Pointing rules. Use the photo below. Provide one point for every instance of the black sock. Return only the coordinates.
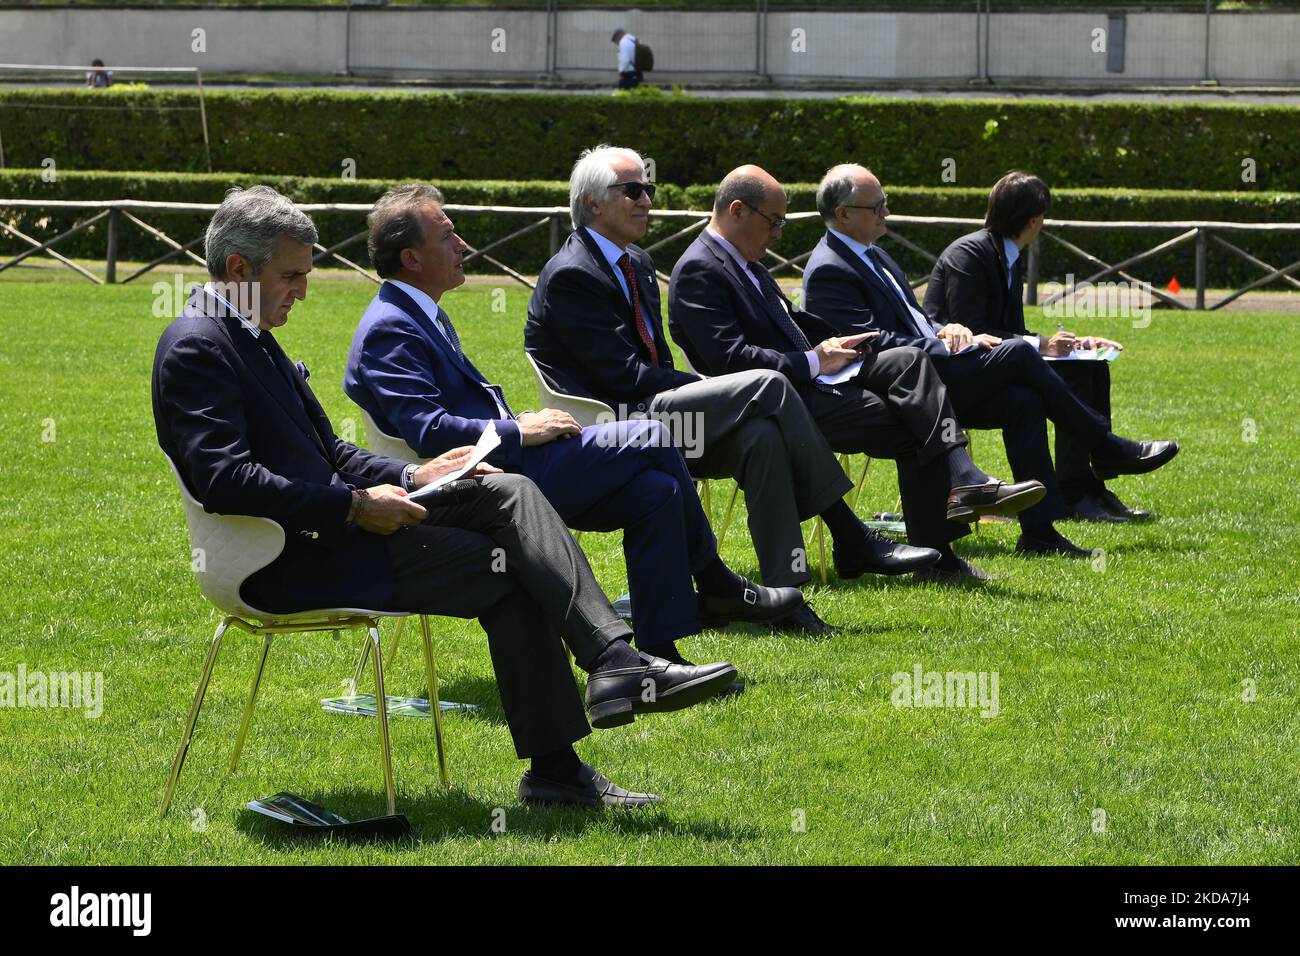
(963, 471)
(617, 653)
(559, 765)
(716, 578)
(667, 651)
(842, 523)
(948, 560)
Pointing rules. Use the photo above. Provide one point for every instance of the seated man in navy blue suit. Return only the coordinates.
(994, 382)
(408, 370)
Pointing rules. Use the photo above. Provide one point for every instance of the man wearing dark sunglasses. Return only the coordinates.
(728, 314)
(595, 330)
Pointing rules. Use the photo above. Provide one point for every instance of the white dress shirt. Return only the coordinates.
(211, 290)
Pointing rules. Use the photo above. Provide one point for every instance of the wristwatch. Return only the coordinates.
(408, 476)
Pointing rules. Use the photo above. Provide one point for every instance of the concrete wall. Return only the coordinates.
(688, 44)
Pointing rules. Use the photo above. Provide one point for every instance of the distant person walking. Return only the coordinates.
(629, 77)
(98, 77)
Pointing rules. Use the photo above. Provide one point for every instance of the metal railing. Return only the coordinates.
(123, 212)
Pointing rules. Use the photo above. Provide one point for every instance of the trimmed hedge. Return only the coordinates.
(529, 252)
(459, 136)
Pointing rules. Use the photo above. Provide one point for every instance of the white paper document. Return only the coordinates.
(843, 375)
(1086, 355)
(487, 443)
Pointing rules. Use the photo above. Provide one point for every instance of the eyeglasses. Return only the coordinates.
(875, 207)
(777, 223)
(633, 191)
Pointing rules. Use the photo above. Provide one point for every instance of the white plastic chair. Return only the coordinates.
(228, 549)
(585, 411)
(390, 446)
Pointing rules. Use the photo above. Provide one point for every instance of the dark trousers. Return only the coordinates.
(1011, 388)
(1090, 382)
(629, 80)
(897, 407)
(500, 553)
(752, 426)
(628, 475)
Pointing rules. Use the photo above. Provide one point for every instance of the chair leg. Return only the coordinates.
(397, 639)
(252, 702)
(435, 707)
(820, 531)
(193, 717)
(866, 463)
(726, 518)
(381, 706)
(705, 498)
(360, 669)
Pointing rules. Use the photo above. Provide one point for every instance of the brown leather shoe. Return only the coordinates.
(968, 502)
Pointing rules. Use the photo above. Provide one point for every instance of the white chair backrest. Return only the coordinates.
(388, 445)
(226, 550)
(585, 411)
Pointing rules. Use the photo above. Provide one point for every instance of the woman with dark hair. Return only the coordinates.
(978, 282)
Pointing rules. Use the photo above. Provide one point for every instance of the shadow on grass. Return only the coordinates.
(438, 815)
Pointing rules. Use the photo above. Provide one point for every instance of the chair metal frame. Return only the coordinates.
(236, 546)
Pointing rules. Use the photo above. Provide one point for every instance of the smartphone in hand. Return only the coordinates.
(866, 343)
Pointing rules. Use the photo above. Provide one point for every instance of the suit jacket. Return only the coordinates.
(969, 285)
(414, 384)
(841, 288)
(581, 332)
(249, 438)
(722, 322)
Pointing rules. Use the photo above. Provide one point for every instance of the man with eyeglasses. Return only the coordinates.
(994, 382)
(728, 314)
(595, 330)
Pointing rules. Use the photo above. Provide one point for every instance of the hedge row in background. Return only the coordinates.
(455, 136)
(529, 252)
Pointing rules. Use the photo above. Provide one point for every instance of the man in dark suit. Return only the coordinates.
(594, 329)
(248, 437)
(978, 282)
(407, 368)
(994, 383)
(728, 313)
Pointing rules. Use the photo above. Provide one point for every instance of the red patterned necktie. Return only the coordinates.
(625, 263)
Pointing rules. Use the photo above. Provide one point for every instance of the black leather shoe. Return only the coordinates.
(591, 789)
(804, 620)
(616, 694)
(753, 603)
(968, 503)
(1150, 456)
(1055, 543)
(1092, 508)
(877, 553)
(964, 573)
(1116, 507)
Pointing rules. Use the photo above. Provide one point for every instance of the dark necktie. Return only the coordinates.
(776, 308)
(278, 358)
(873, 254)
(629, 273)
(449, 330)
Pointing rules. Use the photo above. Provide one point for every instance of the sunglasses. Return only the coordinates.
(633, 191)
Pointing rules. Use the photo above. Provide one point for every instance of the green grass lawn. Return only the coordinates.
(1121, 685)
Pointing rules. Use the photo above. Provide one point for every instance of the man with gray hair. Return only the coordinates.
(594, 328)
(248, 437)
